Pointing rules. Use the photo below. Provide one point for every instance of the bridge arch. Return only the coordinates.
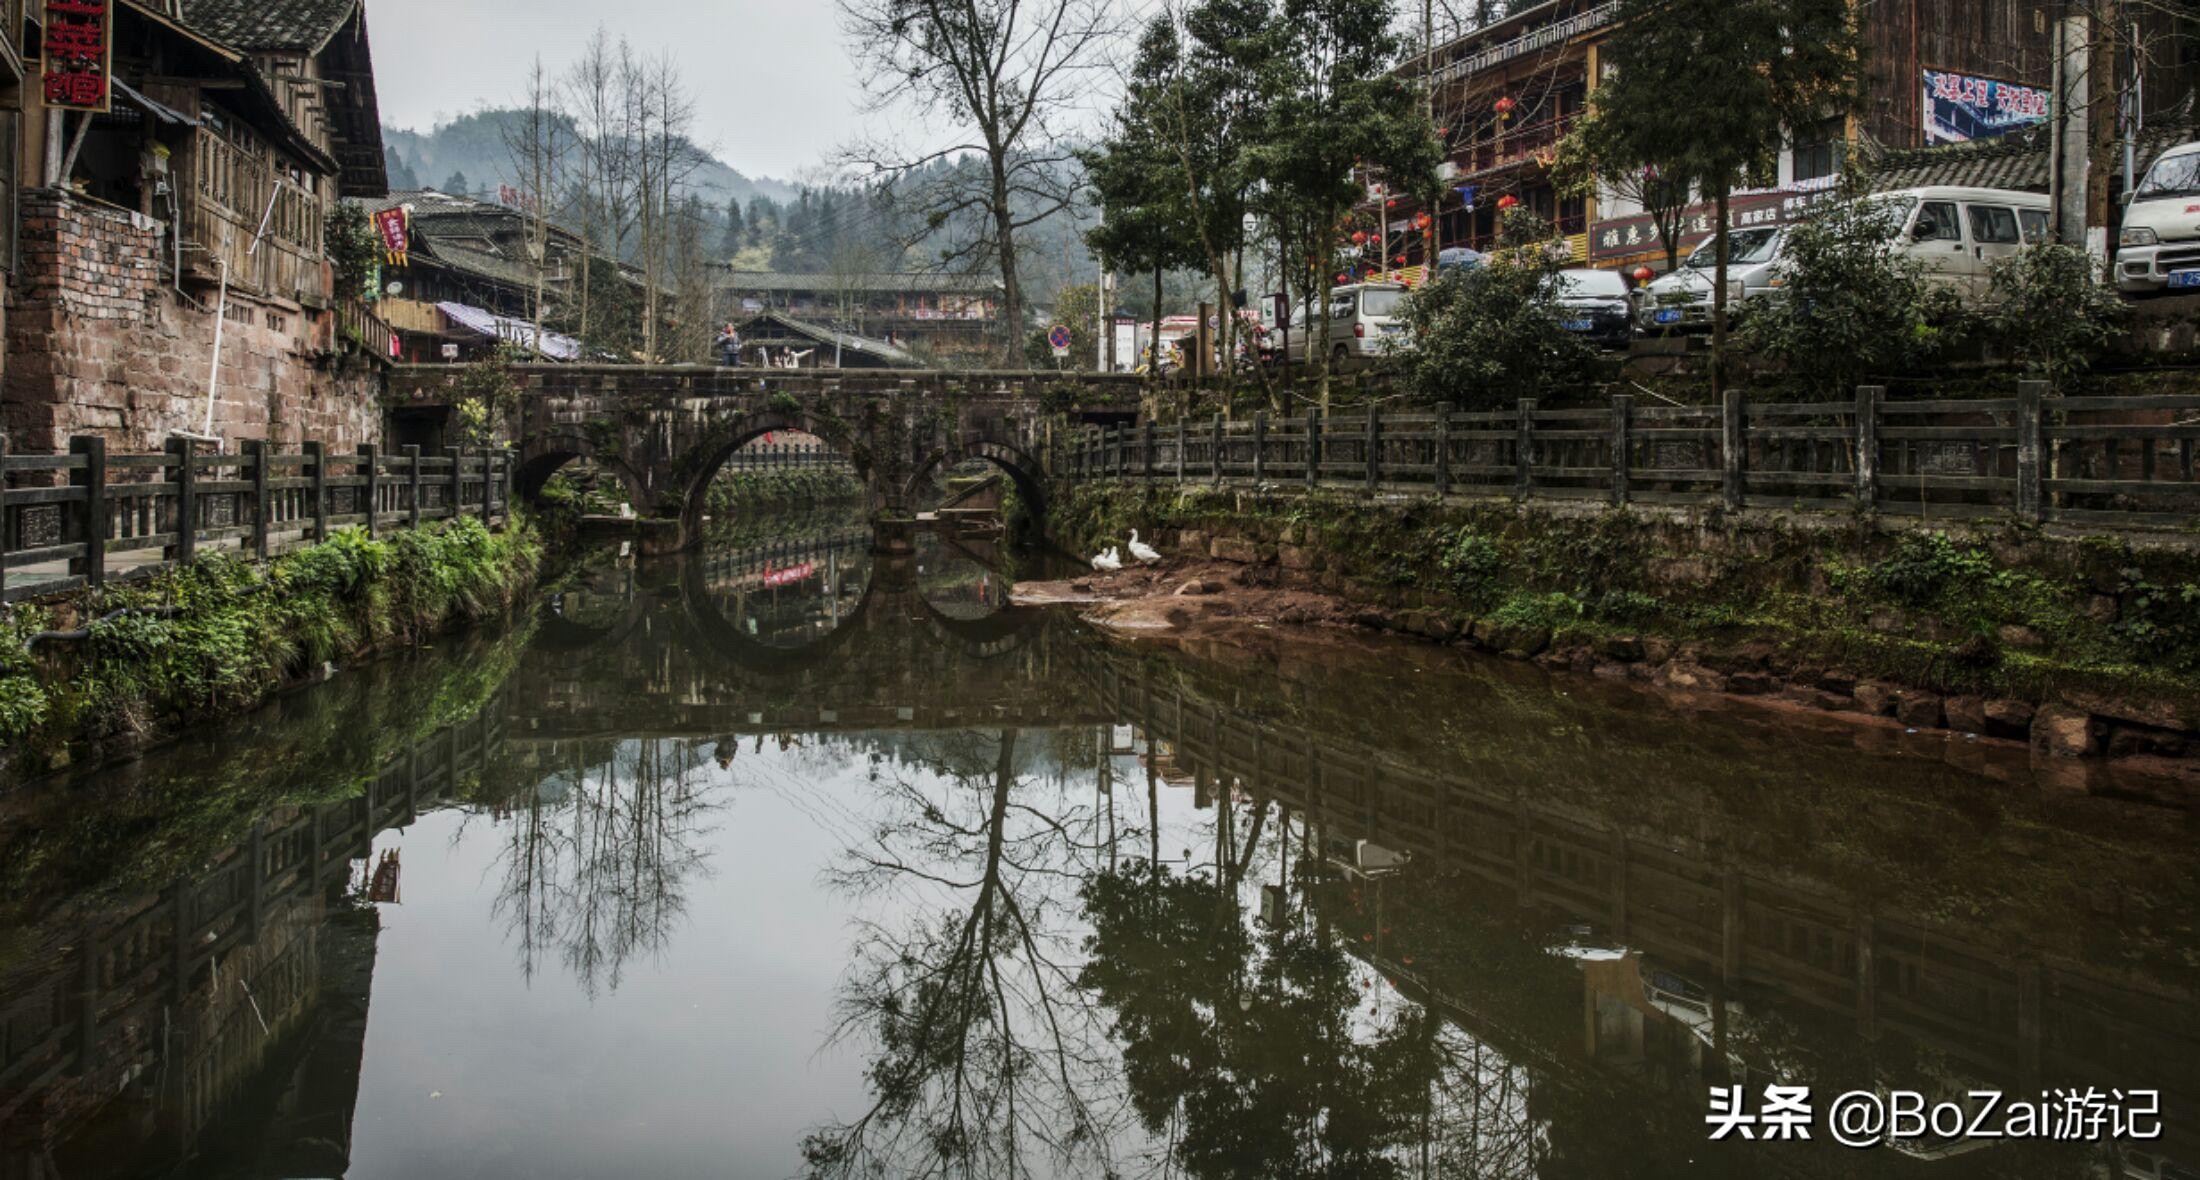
(700, 464)
(1021, 467)
(541, 458)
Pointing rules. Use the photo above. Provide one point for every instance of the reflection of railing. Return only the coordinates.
(127, 516)
(779, 457)
(154, 967)
(2008, 1019)
(2104, 460)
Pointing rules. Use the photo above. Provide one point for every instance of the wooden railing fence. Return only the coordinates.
(88, 517)
(2099, 460)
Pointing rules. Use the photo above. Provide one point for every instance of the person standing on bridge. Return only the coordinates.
(729, 345)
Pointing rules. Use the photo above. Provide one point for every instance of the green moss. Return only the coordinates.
(1998, 611)
(222, 634)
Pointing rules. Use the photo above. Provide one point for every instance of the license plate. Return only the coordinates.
(2184, 278)
(1670, 315)
(1578, 325)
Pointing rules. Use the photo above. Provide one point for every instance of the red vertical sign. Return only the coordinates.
(78, 50)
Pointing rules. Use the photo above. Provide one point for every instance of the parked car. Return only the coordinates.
(1364, 324)
(2159, 248)
(1681, 300)
(1959, 233)
(1598, 305)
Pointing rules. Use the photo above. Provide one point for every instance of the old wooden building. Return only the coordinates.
(202, 196)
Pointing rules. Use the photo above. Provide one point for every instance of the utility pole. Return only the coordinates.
(2068, 184)
(1428, 79)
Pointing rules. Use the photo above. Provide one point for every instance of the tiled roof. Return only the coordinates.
(738, 281)
(256, 25)
(2014, 161)
(752, 333)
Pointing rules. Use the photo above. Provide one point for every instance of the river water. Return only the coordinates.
(787, 860)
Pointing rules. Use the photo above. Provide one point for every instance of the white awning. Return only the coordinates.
(518, 333)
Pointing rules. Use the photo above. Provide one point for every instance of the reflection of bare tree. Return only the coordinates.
(599, 856)
(989, 1058)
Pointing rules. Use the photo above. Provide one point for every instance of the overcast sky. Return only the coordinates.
(776, 92)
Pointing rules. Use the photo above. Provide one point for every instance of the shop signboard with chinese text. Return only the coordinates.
(78, 48)
(1959, 107)
(1626, 237)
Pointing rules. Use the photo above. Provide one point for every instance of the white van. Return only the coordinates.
(1959, 233)
(1364, 323)
(2159, 248)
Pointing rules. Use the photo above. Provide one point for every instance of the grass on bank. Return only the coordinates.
(224, 633)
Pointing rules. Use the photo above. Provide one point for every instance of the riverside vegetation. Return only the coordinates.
(224, 634)
(1991, 630)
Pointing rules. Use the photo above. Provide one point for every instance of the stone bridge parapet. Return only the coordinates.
(665, 430)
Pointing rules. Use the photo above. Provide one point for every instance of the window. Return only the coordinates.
(2034, 224)
(1936, 222)
(2171, 176)
(1994, 225)
(1380, 303)
(1819, 151)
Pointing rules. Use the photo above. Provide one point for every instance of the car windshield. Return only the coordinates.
(1593, 284)
(2172, 175)
(1744, 248)
(1380, 304)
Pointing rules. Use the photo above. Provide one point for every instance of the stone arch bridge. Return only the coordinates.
(664, 431)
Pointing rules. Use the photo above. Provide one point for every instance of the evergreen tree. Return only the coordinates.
(736, 236)
(401, 174)
(1709, 89)
(763, 218)
(456, 185)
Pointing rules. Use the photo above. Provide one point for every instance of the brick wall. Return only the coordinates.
(99, 344)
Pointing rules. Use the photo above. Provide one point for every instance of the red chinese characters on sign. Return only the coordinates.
(78, 51)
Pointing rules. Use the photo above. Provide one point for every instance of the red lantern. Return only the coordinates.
(1644, 274)
(1400, 260)
(1392, 203)
(1508, 201)
(1505, 107)
(1359, 237)
(1421, 220)
(1341, 279)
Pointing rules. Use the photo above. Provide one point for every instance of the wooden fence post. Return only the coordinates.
(1524, 448)
(1374, 446)
(1214, 457)
(457, 498)
(1867, 446)
(1623, 447)
(7, 521)
(1442, 474)
(370, 458)
(93, 479)
(262, 503)
(488, 487)
(1183, 435)
(184, 453)
(1313, 447)
(511, 481)
(1260, 447)
(317, 455)
(1733, 446)
(412, 477)
(2031, 500)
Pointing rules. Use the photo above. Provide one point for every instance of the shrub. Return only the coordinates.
(1926, 566)
(2051, 311)
(1487, 336)
(1473, 560)
(1852, 301)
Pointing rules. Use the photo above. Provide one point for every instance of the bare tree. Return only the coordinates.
(604, 187)
(666, 158)
(998, 76)
(536, 149)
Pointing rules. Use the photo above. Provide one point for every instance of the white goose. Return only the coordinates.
(1146, 554)
(1108, 562)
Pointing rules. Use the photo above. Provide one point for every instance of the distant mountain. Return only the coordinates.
(473, 146)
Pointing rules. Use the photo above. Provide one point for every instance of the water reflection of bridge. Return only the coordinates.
(140, 1030)
(665, 651)
(1742, 935)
